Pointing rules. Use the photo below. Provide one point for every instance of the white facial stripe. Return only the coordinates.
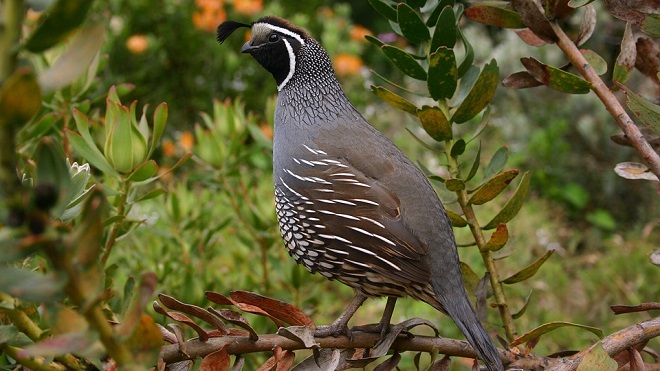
(282, 31)
(292, 64)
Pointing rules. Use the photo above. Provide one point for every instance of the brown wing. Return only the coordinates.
(346, 225)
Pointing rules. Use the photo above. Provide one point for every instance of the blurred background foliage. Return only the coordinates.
(214, 227)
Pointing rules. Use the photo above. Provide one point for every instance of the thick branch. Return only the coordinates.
(242, 345)
(622, 118)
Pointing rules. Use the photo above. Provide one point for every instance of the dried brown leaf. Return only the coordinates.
(275, 308)
(588, 25)
(192, 310)
(223, 300)
(302, 334)
(216, 361)
(236, 319)
(182, 318)
(648, 58)
(623, 309)
(533, 16)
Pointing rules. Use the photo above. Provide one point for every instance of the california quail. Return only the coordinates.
(350, 205)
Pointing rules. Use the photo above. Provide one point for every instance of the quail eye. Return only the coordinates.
(273, 38)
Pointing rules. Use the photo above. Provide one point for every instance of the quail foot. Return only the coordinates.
(350, 205)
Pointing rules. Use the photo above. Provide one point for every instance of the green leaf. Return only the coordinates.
(651, 25)
(647, 112)
(492, 187)
(514, 204)
(52, 170)
(394, 100)
(37, 129)
(522, 310)
(10, 335)
(435, 123)
(456, 220)
(151, 194)
(412, 25)
(57, 22)
(442, 4)
(480, 95)
(90, 154)
(454, 185)
(443, 74)
(384, 9)
(556, 78)
(625, 62)
(404, 62)
(160, 119)
(494, 16)
(597, 359)
(458, 148)
(416, 3)
(374, 40)
(475, 164)
(469, 55)
(550, 326)
(498, 239)
(75, 61)
(497, 162)
(601, 219)
(596, 61)
(529, 271)
(445, 30)
(466, 83)
(143, 172)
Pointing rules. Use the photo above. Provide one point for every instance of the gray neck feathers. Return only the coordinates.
(313, 95)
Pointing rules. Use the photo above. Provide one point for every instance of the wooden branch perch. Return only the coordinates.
(613, 344)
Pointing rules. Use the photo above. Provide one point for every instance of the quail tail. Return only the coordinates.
(459, 309)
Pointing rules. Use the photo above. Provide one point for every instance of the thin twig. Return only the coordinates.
(617, 111)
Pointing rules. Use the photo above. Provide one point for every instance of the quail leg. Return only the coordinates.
(385, 321)
(339, 326)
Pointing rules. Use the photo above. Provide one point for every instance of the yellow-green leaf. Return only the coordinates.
(480, 95)
(435, 123)
(493, 187)
(454, 185)
(456, 220)
(597, 359)
(513, 205)
(404, 62)
(550, 326)
(394, 99)
(143, 172)
(647, 112)
(529, 271)
(556, 78)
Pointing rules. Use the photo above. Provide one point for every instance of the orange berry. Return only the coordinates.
(168, 148)
(248, 7)
(187, 141)
(137, 44)
(358, 32)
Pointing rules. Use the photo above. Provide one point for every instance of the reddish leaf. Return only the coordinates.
(276, 308)
(520, 80)
(203, 336)
(648, 58)
(237, 319)
(281, 360)
(533, 16)
(223, 300)
(623, 309)
(216, 361)
(192, 310)
(529, 37)
(498, 239)
(494, 16)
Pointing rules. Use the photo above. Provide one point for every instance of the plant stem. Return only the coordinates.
(477, 233)
(121, 208)
(30, 362)
(617, 111)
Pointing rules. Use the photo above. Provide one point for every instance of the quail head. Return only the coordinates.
(350, 205)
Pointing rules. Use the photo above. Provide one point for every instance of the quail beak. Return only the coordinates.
(247, 48)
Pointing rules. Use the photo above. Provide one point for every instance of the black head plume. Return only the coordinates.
(226, 29)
